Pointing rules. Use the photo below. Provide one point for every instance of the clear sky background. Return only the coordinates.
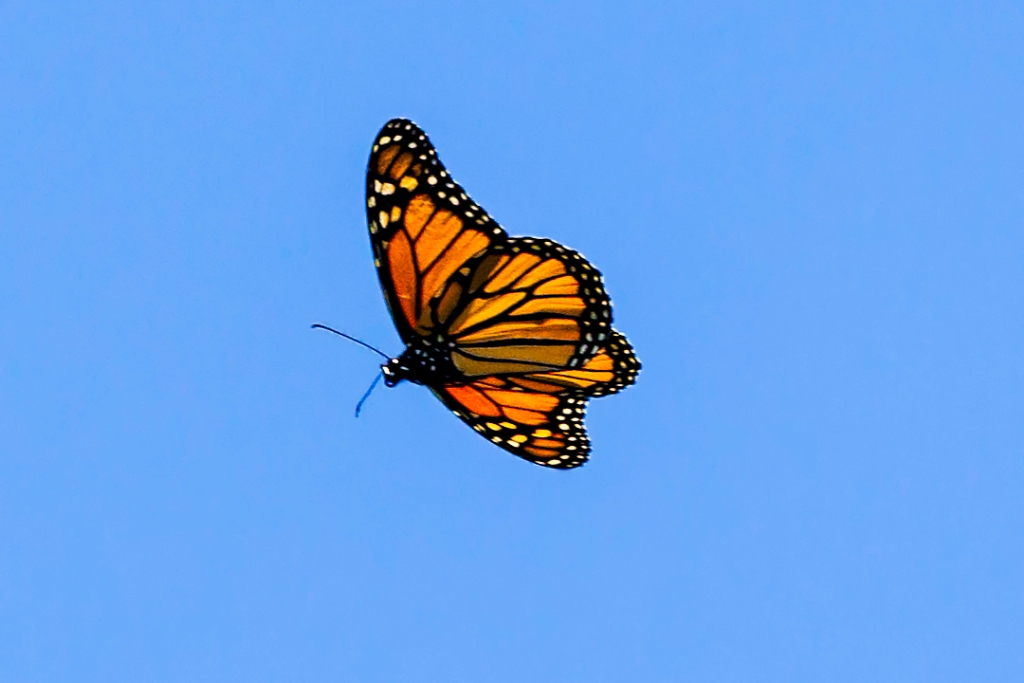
(810, 221)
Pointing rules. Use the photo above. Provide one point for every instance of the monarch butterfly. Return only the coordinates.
(513, 334)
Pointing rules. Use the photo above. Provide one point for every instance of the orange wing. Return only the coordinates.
(531, 305)
(539, 416)
(423, 228)
(502, 305)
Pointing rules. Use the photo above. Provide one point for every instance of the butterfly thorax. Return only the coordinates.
(423, 362)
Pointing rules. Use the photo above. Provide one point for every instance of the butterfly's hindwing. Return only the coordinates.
(543, 428)
(540, 416)
(531, 305)
(609, 371)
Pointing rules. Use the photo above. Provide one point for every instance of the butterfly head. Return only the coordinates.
(394, 372)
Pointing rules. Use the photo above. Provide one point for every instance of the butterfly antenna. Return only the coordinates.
(357, 341)
(359, 406)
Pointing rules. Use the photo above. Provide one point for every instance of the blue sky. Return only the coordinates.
(809, 219)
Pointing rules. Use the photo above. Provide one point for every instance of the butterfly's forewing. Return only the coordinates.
(508, 305)
(539, 416)
(423, 227)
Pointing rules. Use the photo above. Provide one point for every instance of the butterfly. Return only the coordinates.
(513, 334)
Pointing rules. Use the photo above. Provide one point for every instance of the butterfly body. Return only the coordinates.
(422, 362)
(513, 334)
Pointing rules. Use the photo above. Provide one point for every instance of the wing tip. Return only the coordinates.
(400, 123)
